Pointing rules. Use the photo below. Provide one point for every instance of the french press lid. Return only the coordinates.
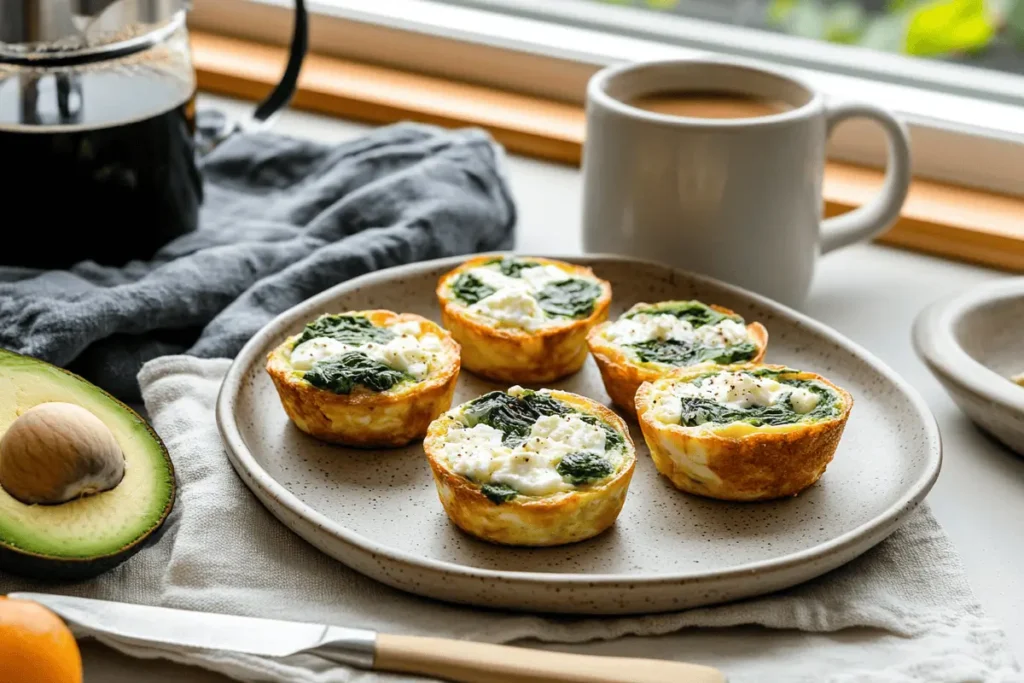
(62, 40)
(62, 32)
(85, 64)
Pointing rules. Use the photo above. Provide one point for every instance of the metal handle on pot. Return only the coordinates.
(212, 127)
(282, 94)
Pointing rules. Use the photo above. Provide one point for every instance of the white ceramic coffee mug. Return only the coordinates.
(738, 199)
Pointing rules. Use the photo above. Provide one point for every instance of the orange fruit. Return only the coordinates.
(36, 646)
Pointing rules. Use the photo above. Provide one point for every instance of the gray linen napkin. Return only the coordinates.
(283, 220)
(901, 613)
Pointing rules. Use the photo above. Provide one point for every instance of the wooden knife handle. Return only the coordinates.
(469, 662)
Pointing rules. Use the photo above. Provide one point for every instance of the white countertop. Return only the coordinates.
(869, 293)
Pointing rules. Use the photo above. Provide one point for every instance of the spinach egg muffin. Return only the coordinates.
(522, 320)
(753, 432)
(652, 340)
(366, 378)
(532, 468)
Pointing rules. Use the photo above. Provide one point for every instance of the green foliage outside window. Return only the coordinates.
(923, 28)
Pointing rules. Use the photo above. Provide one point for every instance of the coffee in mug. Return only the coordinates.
(716, 167)
(709, 105)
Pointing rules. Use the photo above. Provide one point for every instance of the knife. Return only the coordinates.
(453, 660)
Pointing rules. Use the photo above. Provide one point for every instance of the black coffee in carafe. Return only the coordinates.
(108, 194)
(96, 144)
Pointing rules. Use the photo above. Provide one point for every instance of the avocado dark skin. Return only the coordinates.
(50, 570)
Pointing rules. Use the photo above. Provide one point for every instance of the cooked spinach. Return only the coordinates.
(512, 267)
(696, 313)
(572, 298)
(774, 373)
(584, 467)
(340, 374)
(828, 400)
(513, 416)
(470, 289)
(682, 353)
(612, 438)
(354, 330)
(498, 493)
(697, 411)
(544, 404)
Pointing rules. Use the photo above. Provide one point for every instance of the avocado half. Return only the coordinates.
(87, 536)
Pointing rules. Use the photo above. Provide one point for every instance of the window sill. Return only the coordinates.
(945, 220)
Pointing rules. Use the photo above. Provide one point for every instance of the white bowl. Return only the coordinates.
(973, 343)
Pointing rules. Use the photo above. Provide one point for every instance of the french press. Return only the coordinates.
(98, 131)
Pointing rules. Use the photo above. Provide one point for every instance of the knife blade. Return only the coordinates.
(453, 660)
(207, 631)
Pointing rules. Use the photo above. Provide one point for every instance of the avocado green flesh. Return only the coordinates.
(92, 526)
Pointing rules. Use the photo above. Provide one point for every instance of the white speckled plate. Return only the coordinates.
(378, 512)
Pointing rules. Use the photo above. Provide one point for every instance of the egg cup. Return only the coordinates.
(555, 519)
(514, 355)
(738, 461)
(365, 418)
(623, 372)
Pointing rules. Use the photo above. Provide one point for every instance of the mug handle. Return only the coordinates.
(876, 216)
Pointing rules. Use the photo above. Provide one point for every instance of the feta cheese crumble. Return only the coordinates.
(645, 327)
(406, 353)
(738, 390)
(530, 467)
(514, 301)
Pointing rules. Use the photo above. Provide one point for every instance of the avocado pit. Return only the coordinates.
(57, 452)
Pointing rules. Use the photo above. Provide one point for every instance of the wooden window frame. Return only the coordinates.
(966, 124)
(939, 218)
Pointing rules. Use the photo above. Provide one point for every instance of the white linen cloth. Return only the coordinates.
(901, 613)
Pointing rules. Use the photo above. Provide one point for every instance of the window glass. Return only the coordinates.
(983, 33)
